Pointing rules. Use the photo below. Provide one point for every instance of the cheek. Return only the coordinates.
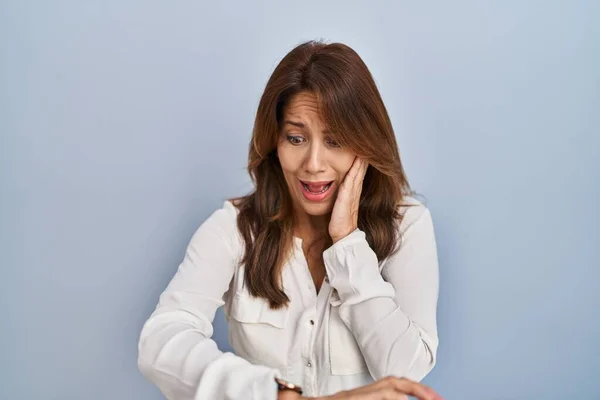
(343, 163)
(288, 159)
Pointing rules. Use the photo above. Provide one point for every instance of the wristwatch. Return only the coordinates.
(285, 385)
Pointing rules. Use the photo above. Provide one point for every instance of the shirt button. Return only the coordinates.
(308, 364)
(312, 322)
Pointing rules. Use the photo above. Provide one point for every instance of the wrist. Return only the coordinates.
(337, 237)
(287, 390)
(290, 395)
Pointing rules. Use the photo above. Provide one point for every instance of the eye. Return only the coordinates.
(295, 140)
(333, 143)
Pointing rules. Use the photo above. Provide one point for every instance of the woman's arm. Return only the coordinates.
(392, 314)
(176, 351)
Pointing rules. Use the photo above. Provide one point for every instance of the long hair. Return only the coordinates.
(353, 111)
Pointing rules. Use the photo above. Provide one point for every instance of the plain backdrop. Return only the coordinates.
(124, 124)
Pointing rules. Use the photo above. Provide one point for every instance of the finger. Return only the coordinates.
(350, 171)
(350, 177)
(360, 178)
(365, 166)
(359, 169)
(388, 393)
(354, 168)
(407, 386)
(415, 389)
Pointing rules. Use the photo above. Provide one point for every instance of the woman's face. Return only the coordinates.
(313, 164)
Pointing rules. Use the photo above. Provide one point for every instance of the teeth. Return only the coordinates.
(318, 192)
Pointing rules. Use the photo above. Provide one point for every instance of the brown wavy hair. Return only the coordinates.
(352, 109)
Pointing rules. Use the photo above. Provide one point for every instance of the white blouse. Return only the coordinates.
(368, 321)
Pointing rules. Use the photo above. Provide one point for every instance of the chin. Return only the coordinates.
(316, 209)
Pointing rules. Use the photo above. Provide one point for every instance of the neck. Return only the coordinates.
(309, 227)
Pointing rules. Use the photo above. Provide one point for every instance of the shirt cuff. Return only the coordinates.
(353, 270)
(234, 378)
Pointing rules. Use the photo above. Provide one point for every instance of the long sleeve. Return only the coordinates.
(176, 351)
(392, 312)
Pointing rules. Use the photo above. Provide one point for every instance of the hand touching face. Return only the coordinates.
(344, 217)
(313, 164)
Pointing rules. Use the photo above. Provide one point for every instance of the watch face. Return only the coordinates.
(285, 385)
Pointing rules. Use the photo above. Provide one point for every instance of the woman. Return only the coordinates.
(328, 271)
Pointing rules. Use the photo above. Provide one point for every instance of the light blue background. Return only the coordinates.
(124, 124)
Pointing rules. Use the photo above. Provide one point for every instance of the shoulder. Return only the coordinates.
(414, 212)
(229, 209)
(221, 226)
(223, 218)
(416, 231)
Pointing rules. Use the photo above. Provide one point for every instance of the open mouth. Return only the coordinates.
(316, 188)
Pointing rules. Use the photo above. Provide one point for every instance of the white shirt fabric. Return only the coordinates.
(368, 321)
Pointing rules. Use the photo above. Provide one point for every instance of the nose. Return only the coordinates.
(315, 159)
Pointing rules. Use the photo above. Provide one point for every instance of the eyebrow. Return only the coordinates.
(300, 125)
